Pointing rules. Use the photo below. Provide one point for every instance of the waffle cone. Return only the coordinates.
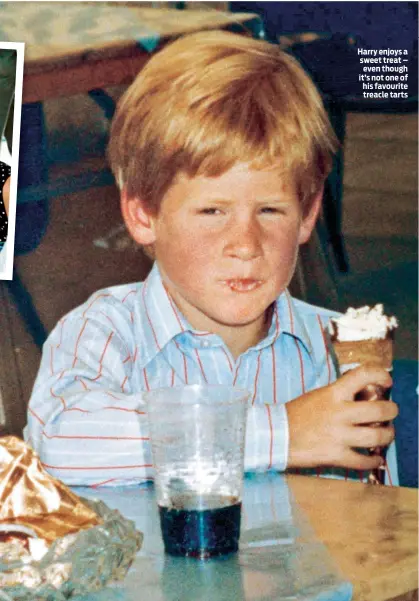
(371, 352)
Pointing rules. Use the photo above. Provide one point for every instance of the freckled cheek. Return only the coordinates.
(186, 257)
(282, 245)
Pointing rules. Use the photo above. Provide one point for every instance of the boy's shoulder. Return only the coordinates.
(113, 299)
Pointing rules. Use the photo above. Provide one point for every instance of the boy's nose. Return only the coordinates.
(243, 240)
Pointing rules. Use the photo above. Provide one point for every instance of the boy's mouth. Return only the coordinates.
(243, 285)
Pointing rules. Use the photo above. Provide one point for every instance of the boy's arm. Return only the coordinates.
(83, 418)
(322, 427)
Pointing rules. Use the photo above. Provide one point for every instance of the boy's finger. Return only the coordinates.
(356, 461)
(367, 412)
(358, 378)
(364, 437)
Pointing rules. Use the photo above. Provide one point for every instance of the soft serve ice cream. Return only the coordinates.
(363, 335)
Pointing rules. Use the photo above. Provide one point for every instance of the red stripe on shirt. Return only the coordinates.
(56, 396)
(93, 302)
(95, 437)
(290, 312)
(143, 481)
(124, 381)
(237, 371)
(104, 482)
(173, 378)
(99, 375)
(303, 384)
(228, 358)
(274, 374)
(102, 467)
(185, 366)
(174, 311)
(200, 365)
(148, 317)
(102, 357)
(61, 332)
(125, 409)
(271, 444)
(78, 379)
(51, 360)
(256, 378)
(77, 342)
(273, 355)
(388, 475)
(36, 416)
(109, 319)
(127, 295)
(328, 358)
(146, 379)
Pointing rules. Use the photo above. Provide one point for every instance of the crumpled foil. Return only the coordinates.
(31, 497)
(89, 544)
(77, 563)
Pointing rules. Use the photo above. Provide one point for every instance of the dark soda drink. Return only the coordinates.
(209, 531)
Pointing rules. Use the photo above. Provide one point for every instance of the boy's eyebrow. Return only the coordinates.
(284, 198)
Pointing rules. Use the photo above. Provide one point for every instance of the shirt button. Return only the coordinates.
(206, 343)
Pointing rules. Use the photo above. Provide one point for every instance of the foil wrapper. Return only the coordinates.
(77, 563)
(31, 497)
(62, 545)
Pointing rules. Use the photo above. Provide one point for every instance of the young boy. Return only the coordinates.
(220, 148)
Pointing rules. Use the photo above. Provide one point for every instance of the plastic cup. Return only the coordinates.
(197, 436)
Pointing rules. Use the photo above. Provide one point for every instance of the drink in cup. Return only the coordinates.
(197, 436)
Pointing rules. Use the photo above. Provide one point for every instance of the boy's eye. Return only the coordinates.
(270, 210)
(209, 211)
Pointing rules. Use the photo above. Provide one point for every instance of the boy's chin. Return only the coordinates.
(241, 319)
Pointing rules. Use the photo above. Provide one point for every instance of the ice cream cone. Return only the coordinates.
(369, 344)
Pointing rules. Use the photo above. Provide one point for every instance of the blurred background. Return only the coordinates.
(85, 246)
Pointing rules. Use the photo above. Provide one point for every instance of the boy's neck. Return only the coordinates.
(239, 340)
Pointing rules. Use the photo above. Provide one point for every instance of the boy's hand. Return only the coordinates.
(326, 424)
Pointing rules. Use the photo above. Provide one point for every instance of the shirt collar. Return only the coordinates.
(286, 320)
(161, 321)
(290, 321)
(158, 318)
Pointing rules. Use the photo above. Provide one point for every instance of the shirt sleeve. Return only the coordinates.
(267, 438)
(84, 420)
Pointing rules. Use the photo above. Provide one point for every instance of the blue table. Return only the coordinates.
(279, 557)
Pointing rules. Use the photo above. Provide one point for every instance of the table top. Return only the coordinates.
(75, 47)
(370, 531)
(67, 33)
(302, 537)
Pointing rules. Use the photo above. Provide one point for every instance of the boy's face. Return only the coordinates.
(226, 246)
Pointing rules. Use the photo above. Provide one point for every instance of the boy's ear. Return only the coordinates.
(309, 220)
(138, 219)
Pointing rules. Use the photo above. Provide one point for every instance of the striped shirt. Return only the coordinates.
(86, 417)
